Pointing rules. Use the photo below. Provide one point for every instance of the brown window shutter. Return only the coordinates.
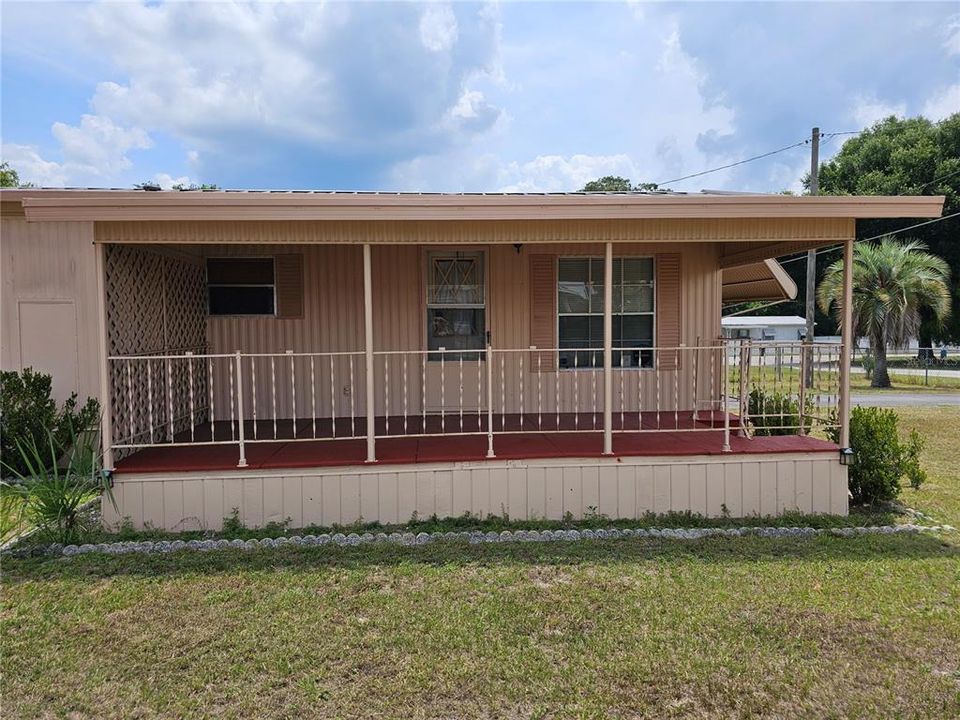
(543, 309)
(669, 309)
(289, 278)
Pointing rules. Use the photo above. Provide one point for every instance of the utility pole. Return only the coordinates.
(811, 263)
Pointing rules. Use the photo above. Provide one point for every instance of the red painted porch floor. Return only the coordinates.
(286, 453)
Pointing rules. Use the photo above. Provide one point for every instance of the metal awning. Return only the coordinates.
(764, 280)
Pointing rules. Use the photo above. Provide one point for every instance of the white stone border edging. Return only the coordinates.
(477, 537)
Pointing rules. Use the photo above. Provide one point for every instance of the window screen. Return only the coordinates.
(241, 286)
(580, 312)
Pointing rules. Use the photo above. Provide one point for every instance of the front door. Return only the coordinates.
(456, 330)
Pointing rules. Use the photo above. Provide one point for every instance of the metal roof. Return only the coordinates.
(395, 193)
(121, 204)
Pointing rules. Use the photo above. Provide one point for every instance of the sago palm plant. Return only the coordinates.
(892, 282)
(50, 494)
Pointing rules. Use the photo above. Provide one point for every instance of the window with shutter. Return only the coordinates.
(267, 286)
(580, 293)
(241, 286)
(289, 274)
(543, 310)
(669, 309)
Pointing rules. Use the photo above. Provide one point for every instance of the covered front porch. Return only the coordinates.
(243, 352)
(484, 342)
(209, 413)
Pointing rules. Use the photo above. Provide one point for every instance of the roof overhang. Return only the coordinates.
(139, 205)
(764, 280)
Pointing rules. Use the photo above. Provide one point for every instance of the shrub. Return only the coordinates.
(52, 490)
(29, 417)
(869, 364)
(881, 458)
(776, 413)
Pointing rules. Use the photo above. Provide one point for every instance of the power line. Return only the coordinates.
(874, 237)
(942, 177)
(912, 227)
(845, 132)
(739, 162)
(828, 136)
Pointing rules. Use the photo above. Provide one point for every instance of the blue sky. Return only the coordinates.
(456, 97)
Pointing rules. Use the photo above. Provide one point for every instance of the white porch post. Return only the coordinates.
(368, 351)
(608, 350)
(846, 343)
(106, 397)
(242, 462)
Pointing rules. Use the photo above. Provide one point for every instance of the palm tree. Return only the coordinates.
(892, 282)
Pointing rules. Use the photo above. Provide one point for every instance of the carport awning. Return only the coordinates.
(764, 280)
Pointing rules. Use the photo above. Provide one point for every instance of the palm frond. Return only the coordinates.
(893, 281)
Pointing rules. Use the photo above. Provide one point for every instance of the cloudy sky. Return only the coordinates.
(457, 97)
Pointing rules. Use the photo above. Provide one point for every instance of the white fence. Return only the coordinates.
(743, 386)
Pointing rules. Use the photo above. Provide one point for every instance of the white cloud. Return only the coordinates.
(867, 110)
(250, 87)
(94, 152)
(952, 31)
(438, 28)
(342, 77)
(442, 97)
(554, 173)
(167, 181)
(98, 145)
(641, 114)
(32, 167)
(944, 103)
(636, 8)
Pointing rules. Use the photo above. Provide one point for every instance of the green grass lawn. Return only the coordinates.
(732, 627)
(787, 380)
(11, 524)
(939, 426)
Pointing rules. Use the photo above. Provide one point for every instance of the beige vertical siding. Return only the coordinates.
(332, 321)
(740, 486)
(46, 264)
(510, 317)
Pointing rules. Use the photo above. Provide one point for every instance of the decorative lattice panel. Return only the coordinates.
(135, 301)
(185, 305)
(156, 305)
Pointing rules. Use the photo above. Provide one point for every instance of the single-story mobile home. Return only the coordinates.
(785, 328)
(327, 357)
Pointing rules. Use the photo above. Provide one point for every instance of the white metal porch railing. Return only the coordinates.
(727, 386)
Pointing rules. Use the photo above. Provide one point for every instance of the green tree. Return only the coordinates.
(892, 283)
(194, 186)
(609, 183)
(9, 178)
(906, 157)
(615, 183)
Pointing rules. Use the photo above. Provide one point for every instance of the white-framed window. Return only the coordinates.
(456, 304)
(241, 286)
(580, 311)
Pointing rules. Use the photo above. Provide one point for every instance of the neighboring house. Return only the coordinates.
(327, 357)
(782, 328)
